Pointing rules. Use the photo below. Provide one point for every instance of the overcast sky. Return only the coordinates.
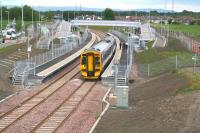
(193, 5)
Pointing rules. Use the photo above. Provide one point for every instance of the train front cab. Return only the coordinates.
(91, 65)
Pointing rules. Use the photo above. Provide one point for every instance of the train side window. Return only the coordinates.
(84, 60)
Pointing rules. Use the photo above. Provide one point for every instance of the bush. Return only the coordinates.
(192, 22)
(175, 22)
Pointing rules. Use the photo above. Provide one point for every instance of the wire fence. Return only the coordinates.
(167, 65)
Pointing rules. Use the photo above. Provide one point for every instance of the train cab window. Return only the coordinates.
(97, 60)
(84, 60)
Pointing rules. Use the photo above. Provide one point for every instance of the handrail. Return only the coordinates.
(103, 112)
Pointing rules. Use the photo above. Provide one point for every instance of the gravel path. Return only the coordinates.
(153, 108)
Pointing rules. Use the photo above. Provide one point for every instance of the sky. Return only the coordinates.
(179, 5)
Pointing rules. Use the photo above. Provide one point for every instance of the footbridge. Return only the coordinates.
(105, 23)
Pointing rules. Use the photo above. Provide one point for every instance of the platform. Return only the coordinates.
(52, 69)
(109, 72)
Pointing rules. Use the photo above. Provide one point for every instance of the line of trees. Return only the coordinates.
(107, 14)
(16, 12)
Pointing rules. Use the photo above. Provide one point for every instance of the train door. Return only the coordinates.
(90, 64)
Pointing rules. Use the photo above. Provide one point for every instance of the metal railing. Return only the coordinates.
(119, 34)
(21, 72)
(44, 58)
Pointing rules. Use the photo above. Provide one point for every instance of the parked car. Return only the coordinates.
(10, 34)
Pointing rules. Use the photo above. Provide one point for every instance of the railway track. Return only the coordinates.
(13, 115)
(67, 107)
(61, 114)
(101, 35)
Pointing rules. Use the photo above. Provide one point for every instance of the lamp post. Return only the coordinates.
(32, 19)
(8, 16)
(39, 14)
(1, 14)
(23, 17)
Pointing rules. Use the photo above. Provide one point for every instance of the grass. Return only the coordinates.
(152, 55)
(150, 44)
(157, 61)
(194, 81)
(97, 115)
(101, 28)
(193, 30)
(7, 50)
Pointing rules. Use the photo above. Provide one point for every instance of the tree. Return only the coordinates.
(49, 15)
(109, 14)
(170, 21)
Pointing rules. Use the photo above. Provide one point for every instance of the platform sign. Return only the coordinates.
(195, 47)
(29, 49)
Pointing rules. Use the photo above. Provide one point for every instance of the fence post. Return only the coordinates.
(195, 62)
(148, 70)
(116, 77)
(176, 61)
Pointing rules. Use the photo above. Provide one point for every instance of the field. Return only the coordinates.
(193, 30)
(101, 28)
(18, 24)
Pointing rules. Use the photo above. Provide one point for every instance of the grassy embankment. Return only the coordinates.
(152, 55)
(193, 81)
(162, 54)
(193, 30)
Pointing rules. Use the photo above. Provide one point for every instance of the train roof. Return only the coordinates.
(101, 46)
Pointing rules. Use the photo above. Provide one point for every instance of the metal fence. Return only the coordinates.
(46, 57)
(185, 38)
(167, 65)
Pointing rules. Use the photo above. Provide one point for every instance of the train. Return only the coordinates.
(93, 61)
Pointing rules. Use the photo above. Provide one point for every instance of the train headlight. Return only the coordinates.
(83, 66)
